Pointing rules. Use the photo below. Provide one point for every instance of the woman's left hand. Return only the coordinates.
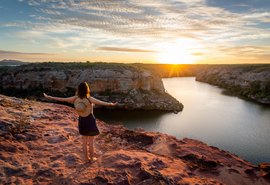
(114, 104)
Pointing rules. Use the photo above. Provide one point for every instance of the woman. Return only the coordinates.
(83, 104)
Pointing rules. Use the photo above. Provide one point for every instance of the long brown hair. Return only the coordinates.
(83, 90)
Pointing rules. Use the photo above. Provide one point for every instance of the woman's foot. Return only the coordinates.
(93, 159)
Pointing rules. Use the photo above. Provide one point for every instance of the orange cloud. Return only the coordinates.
(197, 54)
(123, 49)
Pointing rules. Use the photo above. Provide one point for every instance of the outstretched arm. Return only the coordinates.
(69, 99)
(99, 102)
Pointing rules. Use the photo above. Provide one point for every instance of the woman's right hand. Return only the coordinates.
(45, 95)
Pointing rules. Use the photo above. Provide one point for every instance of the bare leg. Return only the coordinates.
(84, 138)
(91, 147)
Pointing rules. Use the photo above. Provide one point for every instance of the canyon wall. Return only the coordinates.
(248, 81)
(132, 87)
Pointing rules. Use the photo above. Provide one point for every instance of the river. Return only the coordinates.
(230, 123)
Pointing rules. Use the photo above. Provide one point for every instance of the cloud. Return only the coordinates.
(83, 25)
(31, 56)
(50, 12)
(238, 54)
(24, 55)
(3, 52)
(123, 18)
(123, 49)
(245, 50)
(264, 58)
(197, 54)
(156, 19)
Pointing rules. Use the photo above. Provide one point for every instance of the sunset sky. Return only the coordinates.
(149, 31)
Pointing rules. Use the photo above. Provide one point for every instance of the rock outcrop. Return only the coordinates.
(248, 81)
(40, 144)
(132, 87)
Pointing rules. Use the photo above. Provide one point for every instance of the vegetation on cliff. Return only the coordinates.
(173, 70)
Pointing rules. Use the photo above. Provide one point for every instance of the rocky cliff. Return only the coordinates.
(248, 81)
(40, 144)
(132, 87)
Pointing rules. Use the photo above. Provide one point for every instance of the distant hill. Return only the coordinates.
(12, 62)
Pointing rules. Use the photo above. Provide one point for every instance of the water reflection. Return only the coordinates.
(227, 122)
(149, 120)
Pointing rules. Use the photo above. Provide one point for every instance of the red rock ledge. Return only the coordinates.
(40, 144)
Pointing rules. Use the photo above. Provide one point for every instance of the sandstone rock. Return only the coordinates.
(71, 160)
(27, 136)
(265, 170)
(56, 139)
(265, 167)
(187, 161)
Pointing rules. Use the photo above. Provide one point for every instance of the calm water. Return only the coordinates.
(227, 122)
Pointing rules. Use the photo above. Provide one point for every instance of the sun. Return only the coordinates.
(175, 53)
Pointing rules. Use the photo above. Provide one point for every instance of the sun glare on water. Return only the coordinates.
(176, 53)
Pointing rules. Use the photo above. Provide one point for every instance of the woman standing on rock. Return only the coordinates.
(83, 104)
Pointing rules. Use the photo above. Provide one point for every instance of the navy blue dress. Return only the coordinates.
(87, 125)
